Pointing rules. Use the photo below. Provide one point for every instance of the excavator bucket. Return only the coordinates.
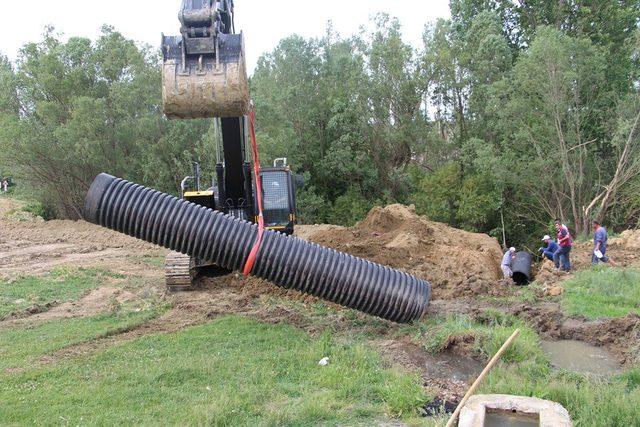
(204, 72)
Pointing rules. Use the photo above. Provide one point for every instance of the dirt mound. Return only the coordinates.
(628, 239)
(548, 275)
(456, 262)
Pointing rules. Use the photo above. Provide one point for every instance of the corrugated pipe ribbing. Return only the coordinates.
(286, 261)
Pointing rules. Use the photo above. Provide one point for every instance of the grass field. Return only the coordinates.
(602, 292)
(19, 347)
(62, 284)
(238, 371)
(232, 371)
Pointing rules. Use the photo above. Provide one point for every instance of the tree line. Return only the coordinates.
(508, 115)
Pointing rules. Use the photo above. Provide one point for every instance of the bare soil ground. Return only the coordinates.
(34, 246)
(460, 265)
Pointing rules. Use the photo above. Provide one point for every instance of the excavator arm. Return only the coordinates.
(204, 76)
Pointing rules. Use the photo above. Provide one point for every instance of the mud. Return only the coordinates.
(447, 374)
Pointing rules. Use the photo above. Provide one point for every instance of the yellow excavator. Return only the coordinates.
(204, 76)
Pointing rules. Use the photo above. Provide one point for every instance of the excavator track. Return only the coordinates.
(178, 272)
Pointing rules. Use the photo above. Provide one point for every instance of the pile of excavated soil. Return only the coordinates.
(547, 274)
(456, 262)
(629, 240)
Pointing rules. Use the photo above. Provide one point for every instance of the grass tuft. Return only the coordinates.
(486, 335)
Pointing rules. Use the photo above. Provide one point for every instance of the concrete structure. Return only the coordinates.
(525, 411)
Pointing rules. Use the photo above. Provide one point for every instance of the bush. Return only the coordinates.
(350, 208)
(43, 210)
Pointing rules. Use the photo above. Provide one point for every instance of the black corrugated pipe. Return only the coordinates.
(521, 268)
(287, 261)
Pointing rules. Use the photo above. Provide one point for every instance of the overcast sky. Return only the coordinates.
(263, 22)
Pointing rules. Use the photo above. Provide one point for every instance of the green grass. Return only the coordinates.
(152, 260)
(488, 333)
(20, 347)
(61, 284)
(359, 326)
(602, 292)
(232, 371)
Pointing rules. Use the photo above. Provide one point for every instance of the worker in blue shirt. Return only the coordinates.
(599, 243)
(550, 248)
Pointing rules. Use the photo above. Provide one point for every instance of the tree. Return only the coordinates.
(347, 111)
(86, 108)
(626, 143)
(551, 119)
(8, 88)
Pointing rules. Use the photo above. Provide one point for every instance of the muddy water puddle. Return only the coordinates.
(581, 357)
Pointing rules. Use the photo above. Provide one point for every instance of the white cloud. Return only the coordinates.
(264, 23)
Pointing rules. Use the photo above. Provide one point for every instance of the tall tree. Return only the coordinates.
(553, 100)
(86, 108)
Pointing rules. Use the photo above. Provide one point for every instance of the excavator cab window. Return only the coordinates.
(278, 199)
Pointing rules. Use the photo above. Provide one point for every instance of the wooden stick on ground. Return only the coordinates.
(483, 374)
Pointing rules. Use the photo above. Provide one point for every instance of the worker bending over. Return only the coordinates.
(506, 262)
(550, 247)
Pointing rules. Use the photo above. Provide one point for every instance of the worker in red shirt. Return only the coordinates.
(565, 242)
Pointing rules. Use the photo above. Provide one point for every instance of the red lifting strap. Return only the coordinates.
(251, 259)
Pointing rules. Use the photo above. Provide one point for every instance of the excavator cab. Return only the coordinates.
(278, 197)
